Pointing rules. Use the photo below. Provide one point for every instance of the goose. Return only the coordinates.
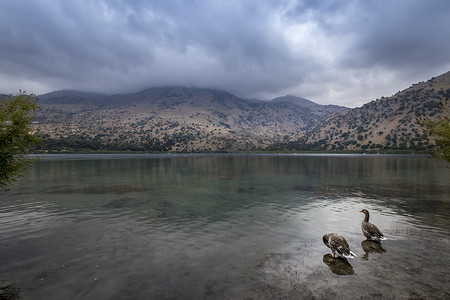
(370, 231)
(338, 244)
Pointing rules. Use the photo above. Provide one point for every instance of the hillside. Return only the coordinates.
(173, 119)
(386, 123)
(204, 120)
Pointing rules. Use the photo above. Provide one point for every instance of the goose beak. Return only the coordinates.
(361, 210)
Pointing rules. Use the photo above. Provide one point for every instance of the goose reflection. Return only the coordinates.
(338, 265)
(371, 247)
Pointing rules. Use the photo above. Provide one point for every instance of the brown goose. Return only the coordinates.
(370, 231)
(338, 244)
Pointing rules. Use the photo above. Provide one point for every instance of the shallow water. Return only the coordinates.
(225, 227)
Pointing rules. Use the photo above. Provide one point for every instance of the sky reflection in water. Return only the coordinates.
(225, 226)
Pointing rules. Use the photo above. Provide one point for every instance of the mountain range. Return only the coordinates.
(206, 120)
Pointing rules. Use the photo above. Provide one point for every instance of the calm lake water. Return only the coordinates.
(225, 227)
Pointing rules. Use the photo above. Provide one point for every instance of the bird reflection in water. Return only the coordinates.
(371, 247)
(338, 265)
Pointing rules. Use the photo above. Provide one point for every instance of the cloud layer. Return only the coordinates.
(338, 52)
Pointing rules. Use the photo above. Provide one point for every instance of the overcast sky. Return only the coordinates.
(331, 52)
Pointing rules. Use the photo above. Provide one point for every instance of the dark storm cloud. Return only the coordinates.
(342, 52)
(404, 34)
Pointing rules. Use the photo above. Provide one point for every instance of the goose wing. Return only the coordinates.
(372, 230)
(339, 244)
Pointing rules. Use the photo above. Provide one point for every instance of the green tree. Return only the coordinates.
(439, 131)
(16, 115)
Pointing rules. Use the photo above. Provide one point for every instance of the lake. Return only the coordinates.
(145, 226)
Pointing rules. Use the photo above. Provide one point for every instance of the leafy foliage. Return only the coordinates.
(439, 130)
(16, 115)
